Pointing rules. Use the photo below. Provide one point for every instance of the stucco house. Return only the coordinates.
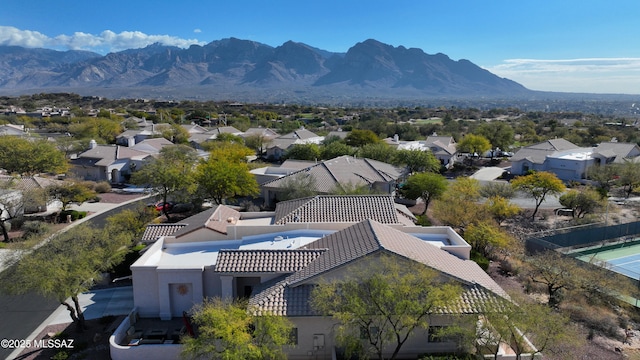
(146, 130)
(266, 133)
(444, 148)
(615, 152)
(23, 197)
(533, 157)
(274, 259)
(330, 174)
(278, 146)
(198, 137)
(115, 163)
(570, 162)
(265, 136)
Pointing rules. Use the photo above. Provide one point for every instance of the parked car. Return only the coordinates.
(161, 205)
(182, 208)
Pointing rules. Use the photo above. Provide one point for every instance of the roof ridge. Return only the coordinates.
(303, 202)
(329, 171)
(275, 250)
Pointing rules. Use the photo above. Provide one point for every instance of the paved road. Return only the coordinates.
(21, 315)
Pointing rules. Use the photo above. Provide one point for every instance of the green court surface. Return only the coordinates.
(610, 252)
(623, 258)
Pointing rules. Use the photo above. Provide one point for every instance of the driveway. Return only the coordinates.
(489, 174)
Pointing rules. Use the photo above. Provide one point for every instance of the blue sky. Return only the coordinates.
(555, 45)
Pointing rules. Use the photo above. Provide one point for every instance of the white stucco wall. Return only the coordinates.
(568, 169)
(178, 291)
(147, 351)
(145, 291)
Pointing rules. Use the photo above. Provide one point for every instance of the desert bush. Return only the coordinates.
(34, 228)
(102, 187)
(598, 319)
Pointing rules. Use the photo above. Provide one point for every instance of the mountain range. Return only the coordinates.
(249, 70)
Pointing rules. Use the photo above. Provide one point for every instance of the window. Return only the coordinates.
(293, 336)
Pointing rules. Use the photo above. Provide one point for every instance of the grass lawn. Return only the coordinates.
(428, 121)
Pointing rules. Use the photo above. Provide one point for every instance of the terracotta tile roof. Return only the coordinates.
(368, 237)
(341, 208)
(474, 300)
(260, 261)
(280, 299)
(154, 231)
(343, 170)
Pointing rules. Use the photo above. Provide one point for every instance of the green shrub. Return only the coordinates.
(423, 220)
(75, 215)
(17, 222)
(61, 355)
(480, 259)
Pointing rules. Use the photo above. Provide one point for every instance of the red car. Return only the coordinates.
(162, 206)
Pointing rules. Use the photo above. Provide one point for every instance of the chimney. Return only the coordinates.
(396, 138)
(92, 144)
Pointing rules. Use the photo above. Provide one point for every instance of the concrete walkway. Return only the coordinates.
(96, 304)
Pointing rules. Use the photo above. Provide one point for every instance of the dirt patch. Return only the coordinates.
(599, 347)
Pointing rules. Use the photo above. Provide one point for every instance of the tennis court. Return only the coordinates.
(622, 258)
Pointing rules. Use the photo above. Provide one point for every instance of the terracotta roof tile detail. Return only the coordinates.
(339, 208)
(280, 299)
(155, 231)
(260, 261)
(367, 237)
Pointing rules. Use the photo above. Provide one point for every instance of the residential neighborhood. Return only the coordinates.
(267, 209)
